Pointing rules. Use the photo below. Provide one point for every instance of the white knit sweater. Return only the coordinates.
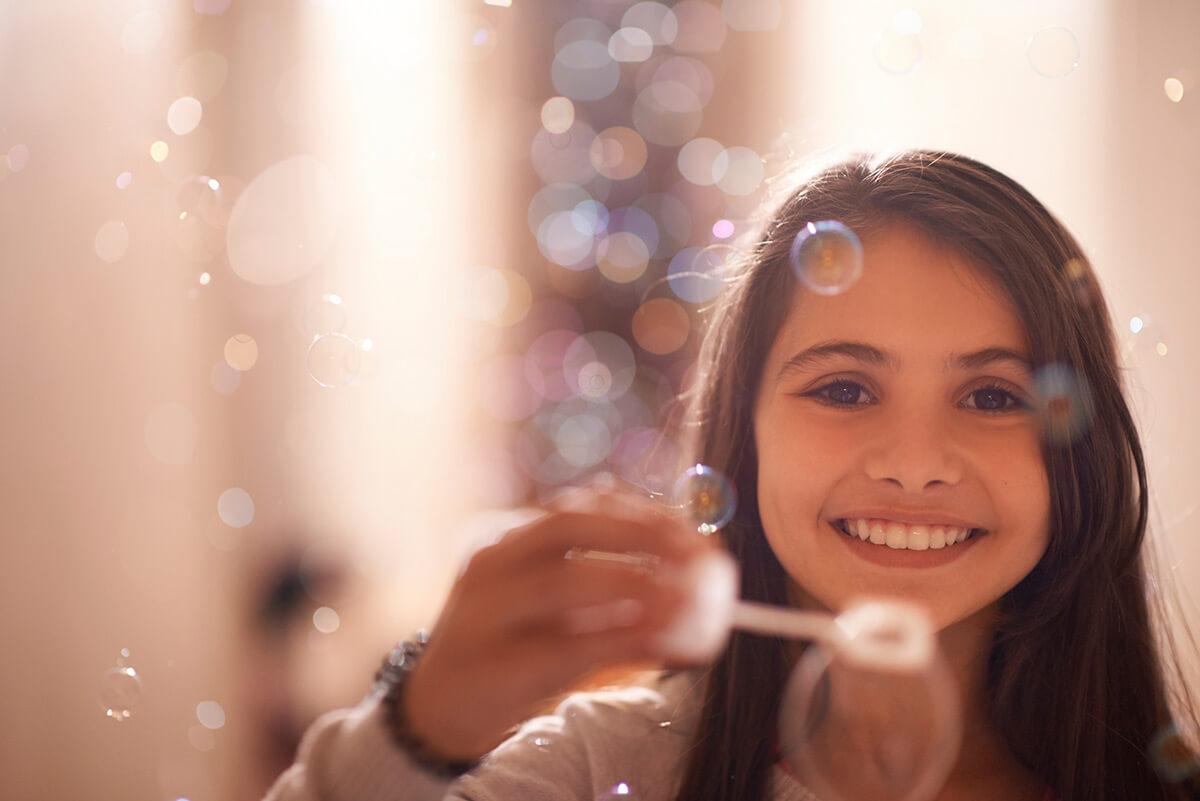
(596, 746)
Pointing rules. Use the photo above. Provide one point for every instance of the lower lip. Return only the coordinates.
(903, 557)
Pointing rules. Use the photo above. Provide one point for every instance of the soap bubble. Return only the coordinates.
(1062, 401)
(706, 497)
(335, 360)
(1053, 52)
(827, 257)
(120, 691)
(880, 721)
(326, 315)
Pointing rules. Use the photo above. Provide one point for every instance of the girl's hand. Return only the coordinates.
(525, 620)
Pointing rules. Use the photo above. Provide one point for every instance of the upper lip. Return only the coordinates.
(909, 516)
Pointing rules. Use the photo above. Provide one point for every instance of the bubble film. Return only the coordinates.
(826, 257)
(707, 498)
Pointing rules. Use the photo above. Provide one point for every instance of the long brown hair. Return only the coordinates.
(1077, 686)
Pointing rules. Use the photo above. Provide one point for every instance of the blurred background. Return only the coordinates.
(298, 295)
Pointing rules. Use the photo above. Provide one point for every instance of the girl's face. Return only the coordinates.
(904, 402)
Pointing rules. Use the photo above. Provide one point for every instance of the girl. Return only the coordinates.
(909, 410)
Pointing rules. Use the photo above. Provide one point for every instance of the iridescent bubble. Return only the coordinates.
(655, 19)
(120, 692)
(1062, 401)
(584, 70)
(335, 360)
(856, 729)
(1053, 52)
(210, 714)
(1173, 757)
(752, 15)
(184, 115)
(235, 507)
(241, 352)
(826, 257)
(112, 241)
(630, 45)
(284, 222)
(706, 497)
(661, 326)
(558, 115)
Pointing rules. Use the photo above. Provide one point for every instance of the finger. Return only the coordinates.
(554, 535)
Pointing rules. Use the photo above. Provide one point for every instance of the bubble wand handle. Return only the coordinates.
(780, 621)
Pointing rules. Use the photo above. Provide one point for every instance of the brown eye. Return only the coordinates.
(995, 399)
(840, 393)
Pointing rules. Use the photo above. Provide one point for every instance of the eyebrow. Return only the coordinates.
(869, 354)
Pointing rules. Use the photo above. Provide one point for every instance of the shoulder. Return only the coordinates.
(596, 741)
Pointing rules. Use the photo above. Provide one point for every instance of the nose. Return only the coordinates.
(916, 453)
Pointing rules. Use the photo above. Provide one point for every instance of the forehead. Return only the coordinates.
(915, 298)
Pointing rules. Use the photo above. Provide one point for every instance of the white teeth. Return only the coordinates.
(900, 536)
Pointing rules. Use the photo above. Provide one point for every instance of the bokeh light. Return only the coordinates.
(1053, 52)
(235, 507)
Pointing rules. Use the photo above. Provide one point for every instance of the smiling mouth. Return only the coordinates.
(903, 536)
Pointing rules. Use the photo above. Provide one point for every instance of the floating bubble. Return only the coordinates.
(335, 360)
(112, 241)
(584, 70)
(701, 27)
(630, 45)
(826, 257)
(159, 150)
(1062, 401)
(706, 497)
(698, 159)
(184, 115)
(235, 507)
(326, 620)
(558, 115)
(655, 19)
(120, 692)
(241, 352)
(170, 433)
(1173, 87)
(752, 15)
(1053, 52)
(1174, 759)
(661, 326)
(859, 728)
